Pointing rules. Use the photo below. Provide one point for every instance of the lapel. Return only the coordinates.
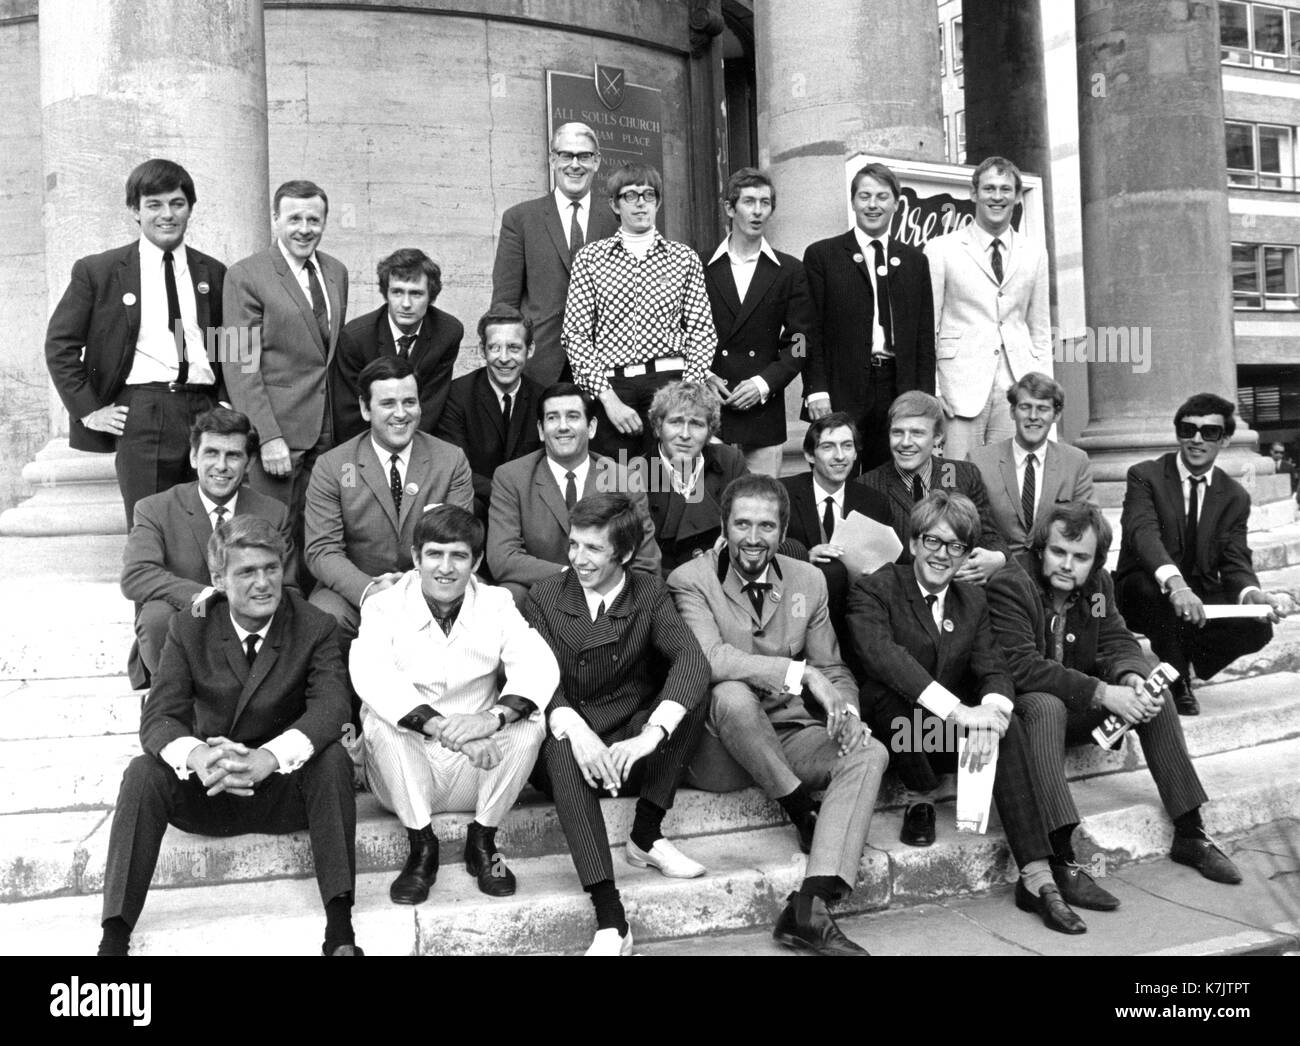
(734, 590)
(1051, 477)
(292, 288)
(907, 579)
(1174, 489)
(559, 234)
(485, 398)
(375, 474)
(419, 471)
(1213, 501)
(522, 415)
(765, 273)
(972, 248)
(849, 242)
(720, 273)
(267, 654)
(804, 502)
(552, 496)
(333, 291)
(384, 335)
(1007, 469)
(1014, 257)
(200, 525)
(130, 278)
(202, 279)
(576, 629)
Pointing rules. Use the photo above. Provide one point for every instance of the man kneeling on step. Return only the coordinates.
(440, 735)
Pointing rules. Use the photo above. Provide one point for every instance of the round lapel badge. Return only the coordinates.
(895, 261)
(881, 271)
(1069, 637)
(775, 596)
(411, 489)
(947, 624)
(128, 299)
(202, 287)
(858, 259)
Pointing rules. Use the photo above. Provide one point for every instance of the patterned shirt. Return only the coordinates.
(622, 311)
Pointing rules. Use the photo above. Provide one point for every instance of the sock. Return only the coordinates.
(911, 798)
(117, 937)
(827, 887)
(1037, 874)
(1189, 825)
(338, 922)
(646, 823)
(1062, 851)
(609, 908)
(488, 835)
(798, 803)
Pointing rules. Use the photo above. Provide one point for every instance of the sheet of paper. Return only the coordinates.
(974, 793)
(866, 543)
(1221, 611)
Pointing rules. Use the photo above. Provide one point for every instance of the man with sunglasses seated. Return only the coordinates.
(1184, 546)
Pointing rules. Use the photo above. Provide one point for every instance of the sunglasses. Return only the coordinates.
(1209, 433)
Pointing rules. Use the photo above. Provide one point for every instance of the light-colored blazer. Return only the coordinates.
(353, 532)
(757, 650)
(283, 388)
(1067, 476)
(528, 524)
(401, 658)
(975, 318)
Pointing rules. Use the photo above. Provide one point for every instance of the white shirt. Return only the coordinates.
(820, 494)
(565, 206)
(985, 241)
(1170, 570)
(397, 331)
(500, 393)
(155, 347)
(291, 749)
(869, 257)
(298, 266)
(936, 697)
(385, 458)
(595, 599)
(210, 507)
(579, 474)
(1040, 460)
(742, 269)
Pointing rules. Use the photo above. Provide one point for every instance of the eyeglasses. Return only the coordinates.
(1209, 433)
(570, 157)
(631, 196)
(1038, 410)
(932, 543)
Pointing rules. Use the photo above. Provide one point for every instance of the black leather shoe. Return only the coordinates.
(1185, 697)
(918, 825)
(487, 864)
(806, 826)
(1205, 856)
(1055, 913)
(1080, 890)
(342, 949)
(420, 871)
(806, 925)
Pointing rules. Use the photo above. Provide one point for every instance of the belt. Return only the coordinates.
(879, 360)
(172, 386)
(664, 365)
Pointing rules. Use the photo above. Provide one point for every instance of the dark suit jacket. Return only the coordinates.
(638, 654)
(353, 533)
(370, 336)
(756, 338)
(1099, 648)
(959, 476)
(166, 555)
(205, 688)
(901, 650)
(839, 348)
(1067, 476)
(1154, 526)
(531, 272)
(93, 314)
(685, 529)
(287, 394)
(471, 419)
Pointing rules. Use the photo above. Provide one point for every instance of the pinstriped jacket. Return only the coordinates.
(637, 655)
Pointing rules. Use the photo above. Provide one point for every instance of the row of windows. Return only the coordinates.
(951, 31)
(1259, 36)
(1260, 156)
(1264, 277)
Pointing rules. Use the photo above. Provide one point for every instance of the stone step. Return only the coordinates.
(64, 629)
(84, 706)
(750, 874)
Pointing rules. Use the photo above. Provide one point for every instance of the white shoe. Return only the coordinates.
(666, 857)
(608, 942)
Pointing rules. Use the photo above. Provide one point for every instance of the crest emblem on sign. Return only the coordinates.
(610, 86)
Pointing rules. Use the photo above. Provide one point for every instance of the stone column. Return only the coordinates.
(1155, 225)
(123, 81)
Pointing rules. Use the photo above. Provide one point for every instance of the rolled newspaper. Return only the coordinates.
(1113, 728)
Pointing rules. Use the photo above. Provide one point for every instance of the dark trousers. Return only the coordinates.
(873, 424)
(1050, 726)
(1013, 785)
(318, 797)
(637, 394)
(1215, 646)
(153, 452)
(654, 778)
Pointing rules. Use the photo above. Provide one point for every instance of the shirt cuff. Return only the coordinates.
(817, 397)
(667, 715)
(1246, 591)
(794, 676)
(417, 717)
(175, 753)
(1001, 702)
(1163, 574)
(764, 390)
(563, 720)
(292, 748)
(521, 706)
(939, 700)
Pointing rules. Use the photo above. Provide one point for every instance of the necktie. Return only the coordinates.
(220, 513)
(600, 610)
(1188, 564)
(997, 260)
(570, 491)
(1027, 493)
(884, 308)
(918, 489)
(755, 590)
(505, 409)
(174, 317)
(395, 483)
(930, 601)
(318, 308)
(575, 232)
(250, 649)
(404, 344)
(828, 519)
